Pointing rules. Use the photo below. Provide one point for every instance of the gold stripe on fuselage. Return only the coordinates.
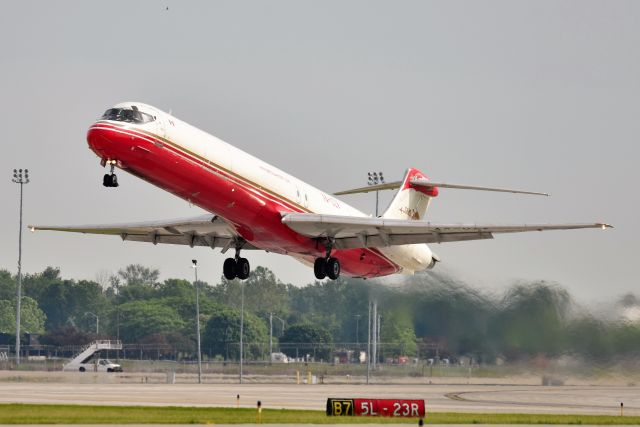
(215, 165)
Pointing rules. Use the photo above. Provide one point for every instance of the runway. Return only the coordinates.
(583, 399)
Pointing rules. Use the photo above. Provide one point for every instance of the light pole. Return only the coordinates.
(241, 327)
(195, 269)
(374, 344)
(115, 284)
(357, 316)
(97, 321)
(270, 337)
(271, 316)
(21, 179)
(375, 178)
(379, 349)
(369, 345)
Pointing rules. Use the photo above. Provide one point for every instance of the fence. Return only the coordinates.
(258, 352)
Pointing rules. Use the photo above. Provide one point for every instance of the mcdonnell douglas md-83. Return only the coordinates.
(256, 206)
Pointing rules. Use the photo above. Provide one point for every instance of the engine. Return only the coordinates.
(434, 260)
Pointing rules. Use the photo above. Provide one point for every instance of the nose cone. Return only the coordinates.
(100, 141)
(111, 142)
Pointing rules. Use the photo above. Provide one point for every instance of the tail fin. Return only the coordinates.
(411, 202)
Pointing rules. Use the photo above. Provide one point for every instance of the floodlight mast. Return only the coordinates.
(271, 316)
(22, 179)
(241, 329)
(195, 269)
(97, 321)
(375, 178)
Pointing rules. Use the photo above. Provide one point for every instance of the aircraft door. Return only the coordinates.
(161, 127)
(298, 196)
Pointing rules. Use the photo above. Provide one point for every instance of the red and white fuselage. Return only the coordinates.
(247, 192)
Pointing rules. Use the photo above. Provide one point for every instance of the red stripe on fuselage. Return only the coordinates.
(255, 211)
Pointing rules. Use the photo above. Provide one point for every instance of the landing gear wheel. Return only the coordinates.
(110, 179)
(333, 268)
(242, 268)
(320, 268)
(82, 369)
(229, 268)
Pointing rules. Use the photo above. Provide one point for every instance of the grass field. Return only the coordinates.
(80, 414)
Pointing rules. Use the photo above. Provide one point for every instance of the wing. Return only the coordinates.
(204, 230)
(358, 232)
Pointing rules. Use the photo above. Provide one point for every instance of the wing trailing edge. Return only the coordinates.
(356, 232)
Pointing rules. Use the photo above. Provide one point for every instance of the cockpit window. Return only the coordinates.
(126, 115)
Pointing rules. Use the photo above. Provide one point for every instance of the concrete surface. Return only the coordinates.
(582, 399)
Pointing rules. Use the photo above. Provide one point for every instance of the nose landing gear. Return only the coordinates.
(110, 179)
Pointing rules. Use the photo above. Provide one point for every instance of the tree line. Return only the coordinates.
(426, 315)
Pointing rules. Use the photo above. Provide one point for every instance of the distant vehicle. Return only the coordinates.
(255, 206)
(88, 359)
(279, 358)
(103, 365)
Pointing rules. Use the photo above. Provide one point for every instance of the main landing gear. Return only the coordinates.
(236, 267)
(327, 266)
(110, 179)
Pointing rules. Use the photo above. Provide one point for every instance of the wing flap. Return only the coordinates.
(380, 240)
(204, 230)
(352, 232)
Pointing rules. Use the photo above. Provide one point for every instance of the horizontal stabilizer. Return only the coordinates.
(379, 187)
(426, 183)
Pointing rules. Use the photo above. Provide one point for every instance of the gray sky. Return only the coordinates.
(541, 95)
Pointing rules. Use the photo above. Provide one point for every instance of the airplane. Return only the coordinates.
(255, 206)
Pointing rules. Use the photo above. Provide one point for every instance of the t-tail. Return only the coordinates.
(411, 201)
(414, 195)
(416, 191)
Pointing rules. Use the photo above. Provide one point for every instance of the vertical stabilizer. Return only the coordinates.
(411, 202)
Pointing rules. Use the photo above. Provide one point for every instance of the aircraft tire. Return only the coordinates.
(114, 180)
(106, 180)
(243, 269)
(320, 268)
(229, 268)
(333, 268)
(82, 369)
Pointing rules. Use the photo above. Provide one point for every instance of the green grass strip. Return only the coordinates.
(84, 414)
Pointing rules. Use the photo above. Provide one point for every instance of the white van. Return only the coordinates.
(102, 365)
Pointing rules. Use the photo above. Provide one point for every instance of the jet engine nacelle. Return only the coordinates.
(434, 260)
